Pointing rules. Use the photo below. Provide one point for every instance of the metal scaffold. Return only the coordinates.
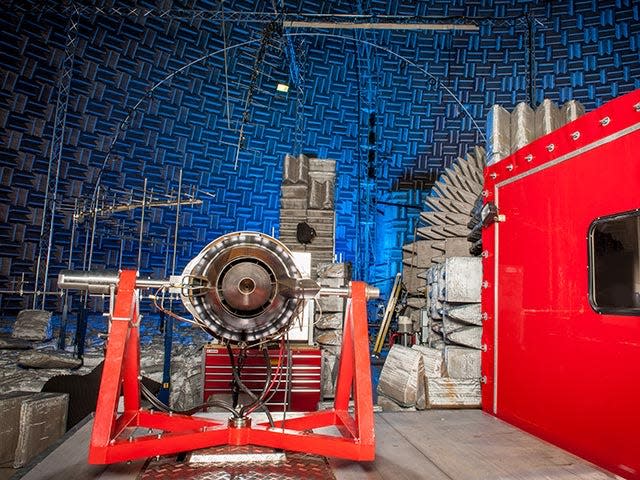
(55, 159)
(367, 152)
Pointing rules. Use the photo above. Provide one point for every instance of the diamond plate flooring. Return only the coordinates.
(296, 466)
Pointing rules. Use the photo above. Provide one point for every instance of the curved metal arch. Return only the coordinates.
(124, 124)
(404, 59)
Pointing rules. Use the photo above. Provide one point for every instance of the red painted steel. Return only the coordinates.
(112, 440)
(305, 375)
(552, 365)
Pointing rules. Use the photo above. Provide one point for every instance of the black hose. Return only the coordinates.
(263, 394)
(244, 388)
(278, 380)
(287, 387)
(146, 393)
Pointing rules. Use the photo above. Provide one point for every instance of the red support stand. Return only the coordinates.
(111, 439)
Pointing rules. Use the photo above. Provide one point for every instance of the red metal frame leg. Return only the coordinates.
(362, 388)
(110, 384)
(345, 372)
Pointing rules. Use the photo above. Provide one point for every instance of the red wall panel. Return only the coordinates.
(552, 365)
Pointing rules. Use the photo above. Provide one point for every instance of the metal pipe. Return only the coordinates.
(89, 281)
(370, 291)
(336, 291)
(100, 281)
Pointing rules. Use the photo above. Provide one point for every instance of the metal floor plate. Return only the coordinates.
(296, 466)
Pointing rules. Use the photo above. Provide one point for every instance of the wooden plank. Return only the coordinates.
(469, 444)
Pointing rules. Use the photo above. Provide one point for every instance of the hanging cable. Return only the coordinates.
(244, 388)
(287, 385)
(270, 384)
(147, 394)
(246, 409)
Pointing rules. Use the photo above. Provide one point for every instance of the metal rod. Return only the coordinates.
(93, 227)
(121, 246)
(370, 291)
(165, 390)
(531, 60)
(86, 246)
(64, 320)
(74, 224)
(382, 26)
(226, 68)
(144, 202)
(26, 292)
(81, 323)
(240, 137)
(175, 234)
(166, 254)
(99, 281)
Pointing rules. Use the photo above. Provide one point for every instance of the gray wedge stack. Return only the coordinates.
(443, 230)
(329, 321)
(509, 132)
(443, 281)
(308, 198)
